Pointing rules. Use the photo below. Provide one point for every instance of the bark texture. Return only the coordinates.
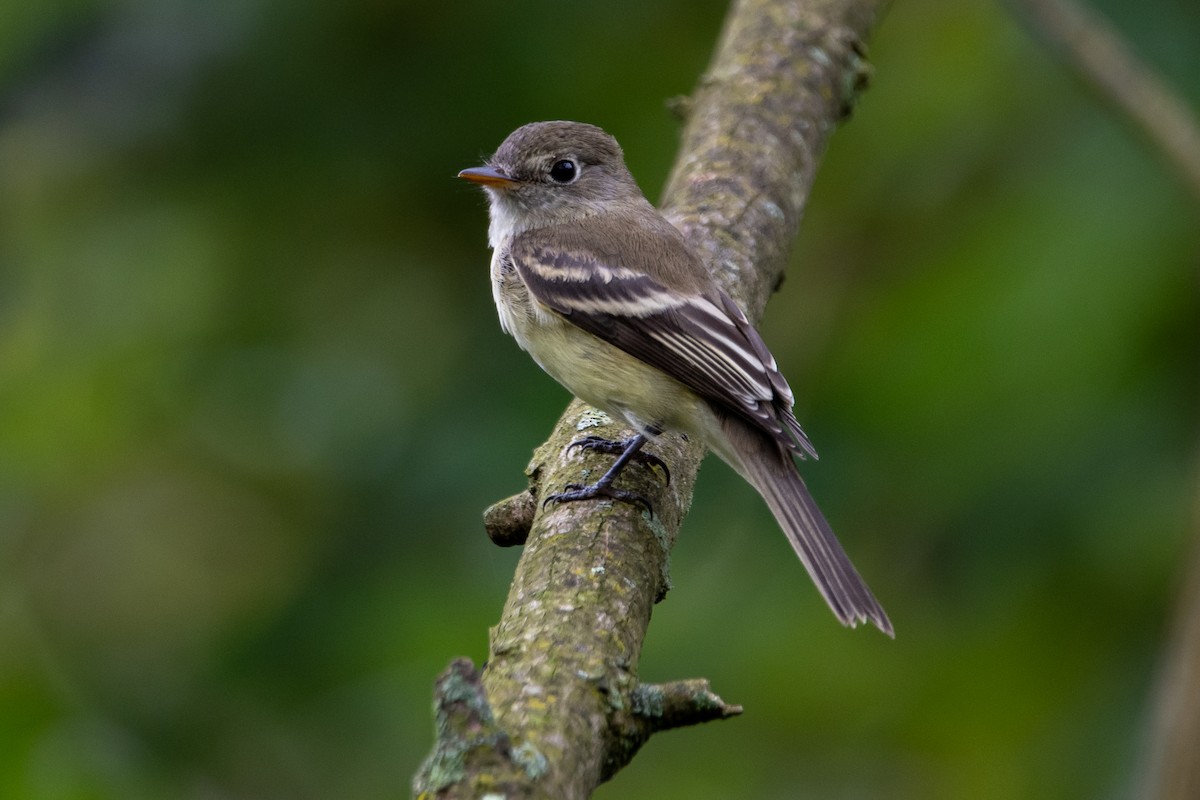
(559, 707)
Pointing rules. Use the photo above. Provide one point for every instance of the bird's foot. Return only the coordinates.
(601, 445)
(630, 450)
(579, 491)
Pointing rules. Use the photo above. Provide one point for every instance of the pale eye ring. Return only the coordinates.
(564, 171)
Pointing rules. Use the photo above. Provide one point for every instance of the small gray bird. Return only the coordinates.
(610, 300)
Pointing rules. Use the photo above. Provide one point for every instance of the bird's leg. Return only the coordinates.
(630, 451)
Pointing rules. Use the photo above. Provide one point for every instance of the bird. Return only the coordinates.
(606, 295)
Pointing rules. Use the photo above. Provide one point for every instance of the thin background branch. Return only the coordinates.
(1095, 51)
(1171, 770)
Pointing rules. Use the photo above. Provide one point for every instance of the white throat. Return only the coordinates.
(503, 223)
(508, 218)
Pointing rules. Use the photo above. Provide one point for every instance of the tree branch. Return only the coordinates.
(1094, 50)
(561, 683)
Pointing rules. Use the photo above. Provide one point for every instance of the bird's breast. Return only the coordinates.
(593, 370)
(520, 314)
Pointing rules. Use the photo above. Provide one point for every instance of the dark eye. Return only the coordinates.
(563, 171)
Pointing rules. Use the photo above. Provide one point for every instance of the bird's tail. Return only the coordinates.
(771, 470)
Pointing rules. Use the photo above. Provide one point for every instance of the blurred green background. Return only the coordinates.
(253, 399)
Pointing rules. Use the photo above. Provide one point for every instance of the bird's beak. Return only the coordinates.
(487, 176)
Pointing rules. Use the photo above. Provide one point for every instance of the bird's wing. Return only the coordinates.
(702, 340)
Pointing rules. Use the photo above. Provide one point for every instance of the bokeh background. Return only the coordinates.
(253, 399)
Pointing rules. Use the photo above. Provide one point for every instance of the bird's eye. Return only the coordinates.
(563, 171)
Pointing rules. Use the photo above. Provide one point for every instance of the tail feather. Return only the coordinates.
(771, 470)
